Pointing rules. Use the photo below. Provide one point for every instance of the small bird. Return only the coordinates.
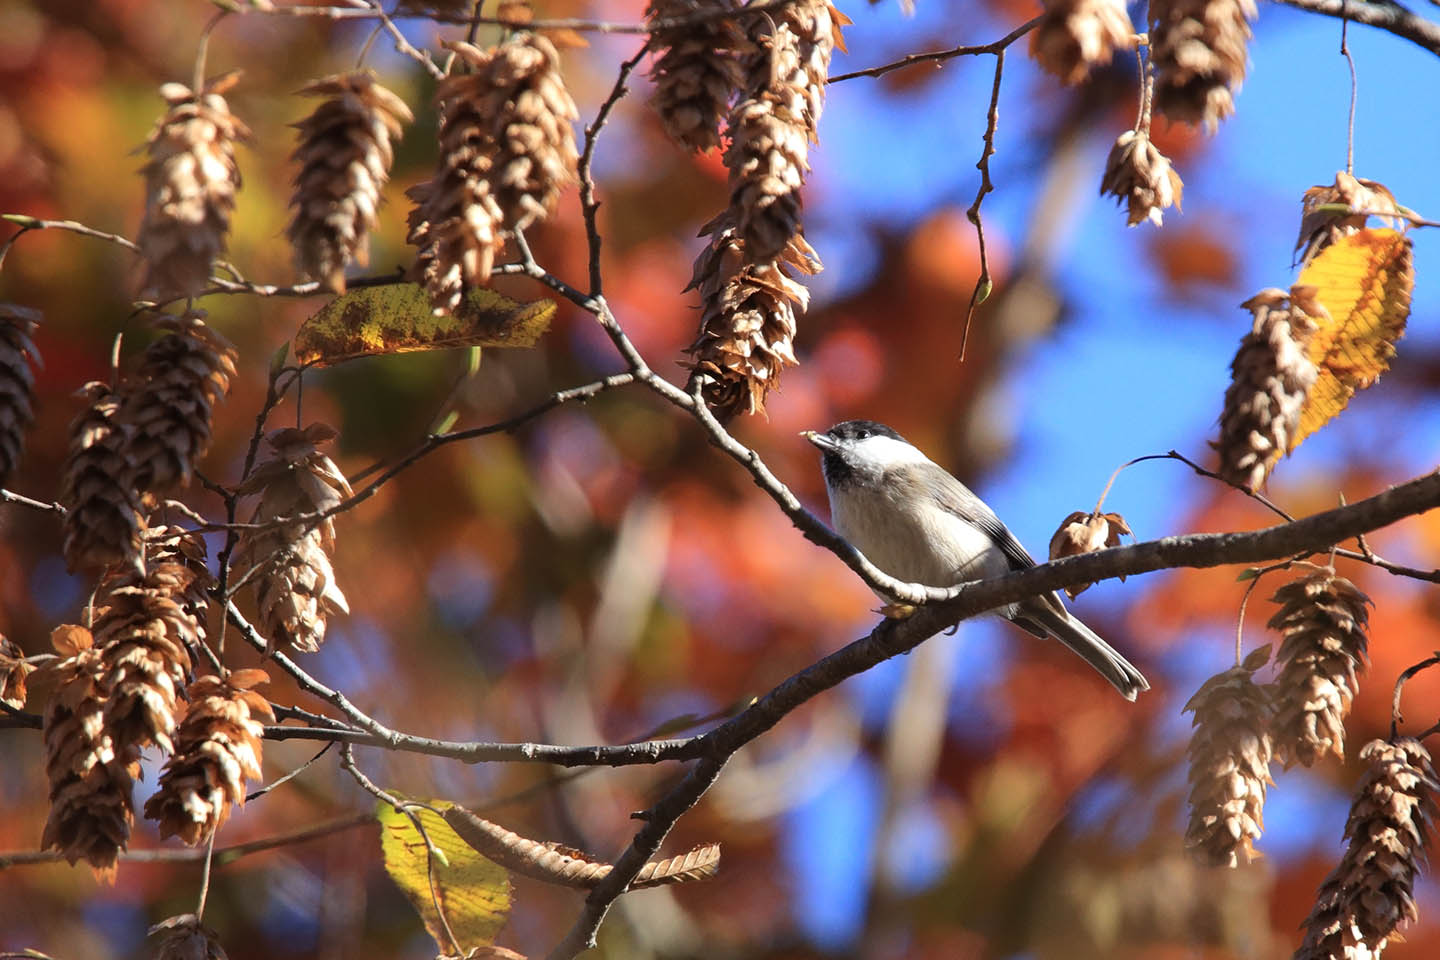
(913, 520)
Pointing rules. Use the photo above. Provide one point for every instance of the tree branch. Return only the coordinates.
(1381, 14)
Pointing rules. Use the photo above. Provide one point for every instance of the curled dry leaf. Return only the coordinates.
(1086, 533)
(554, 863)
(183, 937)
(13, 673)
(1362, 199)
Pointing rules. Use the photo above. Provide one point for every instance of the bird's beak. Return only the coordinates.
(819, 439)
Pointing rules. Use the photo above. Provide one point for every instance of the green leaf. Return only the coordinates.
(473, 892)
(396, 318)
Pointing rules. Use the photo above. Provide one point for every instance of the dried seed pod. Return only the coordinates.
(90, 779)
(168, 411)
(296, 589)
(1230, 752)
(184, 938)
(345, 154)
(13, 671)
(1086, 533)
(696, 72)
(747, 321)
(102, 520)
(776, 119)
(217, 748)
(1323, 618)
(1270, 377)
(185, 548)
(1320, 227)
(507, 149)
(1372, 890)
(1141, 176)
(1198, 49)
(142, 635)
(17, 382)
(190, 182)
(1075, 36)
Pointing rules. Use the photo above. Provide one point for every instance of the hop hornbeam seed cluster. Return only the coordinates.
(507, 149)
(747, 322)
(102, 519)
(1270, 377)
(1086, 533)
(217, 749)
(17, 382)
(776, 119)
(1139, 175)
(1198, 51)
(168, 412)
(143, 635)
(90, 780)
(1230, 753)
(131, 446)
(344, 154)
(295, 587)
(1372, 890)
(1322, 619)
(190, 183)
(1319, 228)
(1075, 36)
(697, 72)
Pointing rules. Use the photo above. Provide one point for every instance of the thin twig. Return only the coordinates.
(589, 206)
(983, 283)
(205, 876)
(1354, 89)
(1396, 718)
(939, 56)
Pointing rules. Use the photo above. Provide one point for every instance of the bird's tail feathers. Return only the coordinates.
(1055, 621)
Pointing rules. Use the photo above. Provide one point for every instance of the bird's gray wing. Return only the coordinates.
(961, 502)
(964, 504)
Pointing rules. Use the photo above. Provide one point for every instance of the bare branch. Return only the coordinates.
(1381, 14)
(940, 56)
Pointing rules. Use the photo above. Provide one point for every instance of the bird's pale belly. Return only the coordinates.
(920, 544)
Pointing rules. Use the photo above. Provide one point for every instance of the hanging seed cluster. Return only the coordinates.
(295, 586)
(1230, 752)
(344, 156)
(1270, 377)
(507, 149)
(697, 70)
(1322, 620)
(1198, 51)
(191, 178)
(765, 75)
(1076, 36)
(17, 382)
(132, 445)
(1138, 175)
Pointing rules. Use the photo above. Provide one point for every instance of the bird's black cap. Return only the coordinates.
(853, 430)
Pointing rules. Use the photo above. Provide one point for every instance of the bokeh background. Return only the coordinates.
(604, 571)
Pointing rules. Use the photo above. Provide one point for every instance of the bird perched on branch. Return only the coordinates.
(916, 522)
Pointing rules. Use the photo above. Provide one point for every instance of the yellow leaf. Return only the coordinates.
(473, 892)
(396, 318)
(1364, 281)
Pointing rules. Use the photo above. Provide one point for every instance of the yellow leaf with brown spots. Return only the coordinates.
(1364, 281)
(473, 892)
(396, 318)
